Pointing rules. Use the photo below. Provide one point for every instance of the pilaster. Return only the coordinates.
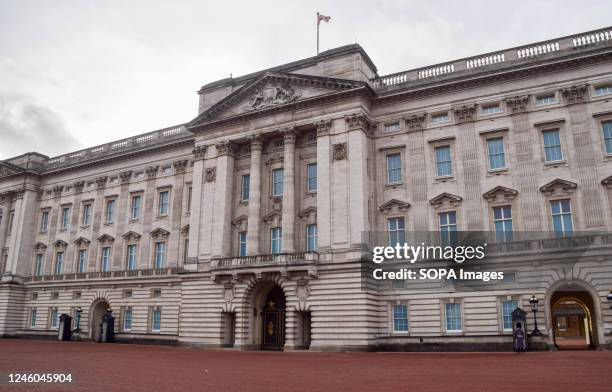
(288, 220)
(253, 224)
(323, 185)
(224, 176)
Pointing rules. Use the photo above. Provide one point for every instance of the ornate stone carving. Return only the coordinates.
(224, 148)
(211, 174)
(340, 151)
(82, 241)
(464, 113)
(500, 193)
(78, 186)
(323, 127)
(125, 176)
(60, 245)
(39, 247)
(357, 121)
(445, 197)
(159, 234)
(199, 152)
(101, 181)
(57, 190)
(131, 236)
(6, 197)
(18, 194)
(151, 171)
(394, 203)
(271, 95)
(180, 166)
(415, 122)
(106, 239)
(575, 94)
(256, 142)
(607, 182)
(517, 104)
(289, 136)
(567, 187)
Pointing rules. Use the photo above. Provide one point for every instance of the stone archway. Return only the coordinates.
(573, 315)
(97, 311)
(267, 303)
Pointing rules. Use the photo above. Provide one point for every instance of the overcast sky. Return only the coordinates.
(74, 74)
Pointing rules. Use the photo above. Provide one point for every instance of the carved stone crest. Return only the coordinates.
(125, 176)
(415, 122)
(464, 113)
(340, 151)
(575, 94)
(179, 166)
(517, 104)
(323, 127)
(151, 171)
(199, 152)
(272, 96)
(78, 186)
(211, 174)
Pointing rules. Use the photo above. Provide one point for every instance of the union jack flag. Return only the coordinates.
(322, 18)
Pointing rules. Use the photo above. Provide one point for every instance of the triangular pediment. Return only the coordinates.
(565, 185)
(8, 169)
(271, 215)
(39, 247)
(445, 197)
(81, 241)
(106, 238)
(500, 192)
(394, 203)
(159, 233)
(307, 212)
(238, 221)
(131, 236)
(60, 244)
(607, 181)
(274, 90)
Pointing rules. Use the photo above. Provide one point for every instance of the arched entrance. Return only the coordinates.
(574, 317)
(98, 309)
(268, 322)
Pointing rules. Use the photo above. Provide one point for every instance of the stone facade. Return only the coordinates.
(160, 228)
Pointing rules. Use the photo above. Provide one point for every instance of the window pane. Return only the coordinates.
(400, 318)
(443, 161)
(312, 177)
(394, 168)
(277, 182)
(607, 131)
(246, 179)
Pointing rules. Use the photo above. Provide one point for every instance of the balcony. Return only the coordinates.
(142, 273)
(283, 263)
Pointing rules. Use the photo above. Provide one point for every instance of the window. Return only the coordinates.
(156, 293)
(11, 218)
(394, 168)
(562, 217)
(311, 174)
(400, 318)
(392, 127)
(33, 318)
(164, 199)
(552, 145)
(607, 133)
(127, 293)
(277, 182)
(186, 249)
(76, 318)
(135, 209)
(509, 277)
(38, 265)
(491, 109)
(82, 262)
(507, 308)
(44, 221)
(59, 263)
(444, 167)
(453, 317)
(603, 90)
(448, 227)
(105, 261)
(545, 99)
(246, 180)
(242, 243)
(86, 214)
(65, 218)
(127, 318)
(4, 265)
(131, 257)
(156, 319)
(54, 318)
(160, 254)
(497, 159)
(439, 118)
(397, 231)
(189, 194)
(502, 220)
(311, 238)
(110, 211)
(276, 242)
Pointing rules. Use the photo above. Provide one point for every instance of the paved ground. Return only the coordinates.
(116, 367)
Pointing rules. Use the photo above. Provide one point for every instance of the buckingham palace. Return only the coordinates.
(250, 226)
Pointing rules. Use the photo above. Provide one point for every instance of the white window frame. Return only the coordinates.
(491, 155)
(311, 236)
(446, 317)
(242, 243)
(159, 255)
(105, 258)
(163, 202)
(131, 259)
(393, 319)
(310, 179)
(450, 161)
(276, 239)
(136, 207)
(82, 261)
(394, 170)
(245, 187)
(280, 182)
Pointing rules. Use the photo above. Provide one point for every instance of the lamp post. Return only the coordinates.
(533, 301)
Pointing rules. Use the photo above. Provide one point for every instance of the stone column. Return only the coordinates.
(221, 236)
(23, 232)
(288, 224)
(254, 197)
(5, 206)
(174, 223)
(323, 186)
(149, 211)
(199, 153)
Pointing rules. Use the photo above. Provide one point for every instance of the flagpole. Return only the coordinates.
(318, 23)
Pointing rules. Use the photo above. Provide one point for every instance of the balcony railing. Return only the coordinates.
(284, 259)
(524, 53)
(106, 275)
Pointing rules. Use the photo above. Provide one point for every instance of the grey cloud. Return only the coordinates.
(28, 127)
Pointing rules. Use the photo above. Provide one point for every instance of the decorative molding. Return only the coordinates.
(159, 234)
(415, 122)
(185, 229)
(307, 212)
(323, 127)
(125, 176)
(607, 182)
(78, 186)
(39, 247)
(269, 217)
(256, 142)
(151, 171)
(575, 94)
(180, 166)
(340, 151)
(101, 181)
(453, 200)
(567, 187)
(388, 206)
(131, 236)
(464, 113)
(210, 174)
(199, 153)
(289, 136)
(500, 193)
(272, 95)
(106, 239)
(357, 122)
(6, 196)
(82, 241)
(517, 104)
(224, 148)
(60, 245)
(237, 222)
(57, 190)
